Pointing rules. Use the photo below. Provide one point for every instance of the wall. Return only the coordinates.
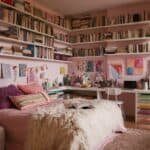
(52, 73)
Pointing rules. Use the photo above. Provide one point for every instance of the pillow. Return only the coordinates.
(29, 101)
(31, 88)
(5, 92)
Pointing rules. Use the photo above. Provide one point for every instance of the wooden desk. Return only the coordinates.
(129, 97)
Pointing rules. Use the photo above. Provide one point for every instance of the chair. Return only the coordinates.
(116, 92)
(2, 138)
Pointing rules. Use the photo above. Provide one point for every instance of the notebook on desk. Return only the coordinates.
(130, 84)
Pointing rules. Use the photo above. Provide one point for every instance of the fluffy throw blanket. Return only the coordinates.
(74, 125)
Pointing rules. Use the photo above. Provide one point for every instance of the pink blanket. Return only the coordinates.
(16, 123)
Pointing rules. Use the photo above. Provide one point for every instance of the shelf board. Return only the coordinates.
(109, 41)
(112, 26)
(61, 42)
(36, 17)
(32, 58)
(62, 53)
(84, 43)
(25, 28)
(85, 57)
(23, 42)
(127, 54)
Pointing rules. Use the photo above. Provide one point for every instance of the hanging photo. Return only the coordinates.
(115, 71)
(99, 66)
(6, 71)
(89, 66)
(22, 70)
(135, 66)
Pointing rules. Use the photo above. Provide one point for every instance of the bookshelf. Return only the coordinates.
(143, 109)
(32, 30)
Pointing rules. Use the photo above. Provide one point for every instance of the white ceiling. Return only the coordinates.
(69, 7)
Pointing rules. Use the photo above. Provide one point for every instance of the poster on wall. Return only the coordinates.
(22, 70)
(99, 66)
(80, 66)
(89, 66)
(6, 71)
(115, 71)
(32, 77)
(134, 66)
(62, 71)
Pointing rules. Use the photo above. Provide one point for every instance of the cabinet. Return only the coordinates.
(143, 109)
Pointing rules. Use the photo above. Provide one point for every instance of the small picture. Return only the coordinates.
(6, 71)
(89, 66)
(115, 71)
(22, 70)
(134, 66)
(99, 66)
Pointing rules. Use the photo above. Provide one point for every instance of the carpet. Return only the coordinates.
(133, 139)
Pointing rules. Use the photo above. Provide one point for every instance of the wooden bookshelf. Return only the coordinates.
(143, 109)
(35, 17)
(111, 26)
(32, 58)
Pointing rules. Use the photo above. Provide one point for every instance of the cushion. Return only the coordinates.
(31, 88)
(29, 101)
(5, 92)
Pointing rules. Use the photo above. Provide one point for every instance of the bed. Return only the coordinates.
(62, 125)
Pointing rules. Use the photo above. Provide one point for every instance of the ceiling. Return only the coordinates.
(70, 7)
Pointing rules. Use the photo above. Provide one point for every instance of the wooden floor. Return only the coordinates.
(131, 124)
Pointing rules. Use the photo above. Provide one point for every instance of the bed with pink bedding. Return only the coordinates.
(17, 123)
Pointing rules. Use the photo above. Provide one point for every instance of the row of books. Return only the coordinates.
(16, 50)
(27, 7)
(36, 38)
(90, 37)
(46, 53)
(99, 51)
(9, 31)
(144, 107)
(62, 37)
(66, 50)
(61, 57)
(127, 18)
(138, 48)
(85, 21)
(14, 17)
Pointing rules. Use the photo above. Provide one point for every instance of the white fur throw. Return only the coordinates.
(72, 126)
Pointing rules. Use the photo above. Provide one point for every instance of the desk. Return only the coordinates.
(129, 97)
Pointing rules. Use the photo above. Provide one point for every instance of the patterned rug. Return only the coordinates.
(133, 139)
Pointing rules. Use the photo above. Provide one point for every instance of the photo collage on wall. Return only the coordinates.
(115, 71)
(89, 66)
(135, 66)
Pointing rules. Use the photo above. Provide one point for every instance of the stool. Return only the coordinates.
(116, 92)
(2, 138)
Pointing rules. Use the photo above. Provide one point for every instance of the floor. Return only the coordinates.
(130, 124)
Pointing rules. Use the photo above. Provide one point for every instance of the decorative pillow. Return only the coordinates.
(31, 88)
(5, 92)
(29, 101)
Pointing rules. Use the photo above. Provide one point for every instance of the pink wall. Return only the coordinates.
(52, 73)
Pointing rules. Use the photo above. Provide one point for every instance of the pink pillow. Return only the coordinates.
(29, 101)
(31, 88)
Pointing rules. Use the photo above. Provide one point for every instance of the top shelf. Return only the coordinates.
(112, 26)
(75, 30)
(36, 17)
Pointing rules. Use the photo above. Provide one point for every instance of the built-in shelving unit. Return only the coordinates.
(143, 109)
(26, 33)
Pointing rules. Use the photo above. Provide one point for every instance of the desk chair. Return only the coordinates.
(116, 92)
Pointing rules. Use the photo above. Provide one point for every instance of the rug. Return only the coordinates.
(133, 139)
